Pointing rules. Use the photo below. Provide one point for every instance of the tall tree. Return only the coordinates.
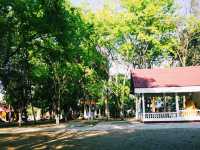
(42, 41)
(187, 41)
(142, 31)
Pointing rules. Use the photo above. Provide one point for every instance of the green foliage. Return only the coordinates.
(187, 50)
(119, 89)
(49, 55)
(47, 47)
(141, 31)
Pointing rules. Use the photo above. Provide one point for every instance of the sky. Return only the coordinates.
(94, 4)
(98, 4)
(183, 7)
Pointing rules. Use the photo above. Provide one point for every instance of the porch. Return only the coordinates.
(182, 115)
(164, 96)
(185, 109)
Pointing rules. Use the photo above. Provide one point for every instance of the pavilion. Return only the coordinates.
(167, 94)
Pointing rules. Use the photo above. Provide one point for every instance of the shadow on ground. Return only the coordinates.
(162, 139)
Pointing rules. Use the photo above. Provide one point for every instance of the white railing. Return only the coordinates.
(161, 115)
(182, 115)
(189, 113)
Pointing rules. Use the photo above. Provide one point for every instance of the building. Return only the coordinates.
(171, 94)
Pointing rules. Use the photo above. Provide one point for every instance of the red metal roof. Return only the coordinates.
(166, 77)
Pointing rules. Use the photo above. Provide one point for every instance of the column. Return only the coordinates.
(143, 106)
(139, 104)
(177, 104)
(153, 104)
(136, 107)
(184, 100)
(165, 101)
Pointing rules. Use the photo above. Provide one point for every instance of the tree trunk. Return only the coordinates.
(33, 112)
(51, 114)
(20, 117)
(57, 116)
(65, 117)
(99, 114)
(184, 60)
(107, 109)
(85, 112)
(9, 115)
(65, 114)
(121, 112)
(122, 100)
(90, 113)
(58, 113)
(95, 113)
(57, 119)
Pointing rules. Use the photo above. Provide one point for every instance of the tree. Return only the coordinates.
(46, 45)
(119, 94)
(142, 31)
(187, 37)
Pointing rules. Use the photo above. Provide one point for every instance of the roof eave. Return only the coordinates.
(185, 89)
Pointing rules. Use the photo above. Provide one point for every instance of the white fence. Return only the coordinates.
(182, 115)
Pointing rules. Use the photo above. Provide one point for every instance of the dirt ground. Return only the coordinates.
(115, 135)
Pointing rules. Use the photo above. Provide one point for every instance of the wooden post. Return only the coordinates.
(153, 105)
(143, 106)
(184, 100)
(165, 100)
(177, 104)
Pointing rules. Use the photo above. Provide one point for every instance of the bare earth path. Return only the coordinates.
(113, 135)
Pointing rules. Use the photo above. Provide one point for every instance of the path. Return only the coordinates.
(112, 135)
(101, 126)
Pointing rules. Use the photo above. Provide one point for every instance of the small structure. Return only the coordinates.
(171, 94)
(89, 109)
